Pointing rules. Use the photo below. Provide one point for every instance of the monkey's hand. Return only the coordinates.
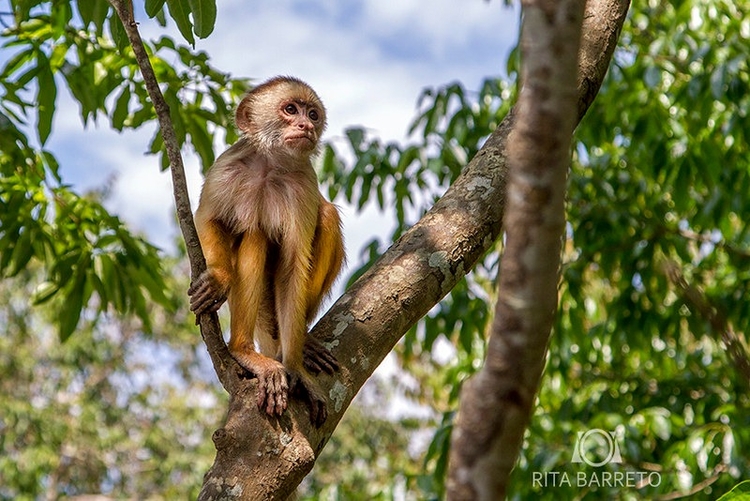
(207, 294)
(316, 400)
(318, 358)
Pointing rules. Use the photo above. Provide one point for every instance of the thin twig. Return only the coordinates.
(718, 471)
(719, 323)
(209, 324)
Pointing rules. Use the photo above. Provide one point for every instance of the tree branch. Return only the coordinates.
(496, 404)
(209, 325)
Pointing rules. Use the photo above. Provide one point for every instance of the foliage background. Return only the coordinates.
(660, 175)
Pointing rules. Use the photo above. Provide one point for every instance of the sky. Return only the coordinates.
(368, 60)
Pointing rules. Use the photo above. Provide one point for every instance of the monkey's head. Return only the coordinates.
(283, 113)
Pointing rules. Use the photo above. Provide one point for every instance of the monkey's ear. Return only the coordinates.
(242, 117)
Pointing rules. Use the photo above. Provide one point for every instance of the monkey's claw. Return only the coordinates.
(318, 358)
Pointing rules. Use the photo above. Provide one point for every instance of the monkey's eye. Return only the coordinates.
(313, 115)
(290, 109)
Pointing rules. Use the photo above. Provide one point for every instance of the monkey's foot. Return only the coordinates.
(318, 358)
(273, 389)
(316, 401)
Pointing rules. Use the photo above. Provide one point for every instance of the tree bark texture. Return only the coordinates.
(496, 404)
(259, 457)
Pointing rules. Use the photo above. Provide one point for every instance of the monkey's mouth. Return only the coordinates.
(300, 139)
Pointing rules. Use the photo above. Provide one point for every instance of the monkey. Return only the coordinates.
(273, 244)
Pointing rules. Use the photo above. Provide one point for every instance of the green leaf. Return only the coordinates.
(45, 97)
(120, 112)
(740, 492)
(60, 17)
(718, 81)
(70, 314)
(22, 251)
(161, 18)
(44, 292)
(16, 62)
(100, 12)
(180, 11)
(204, 16)
(356, 136)
(154, 7)
(202, 141)
(176, 112)
(86, 10)
(117, 32)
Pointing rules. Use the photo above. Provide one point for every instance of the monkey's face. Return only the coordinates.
(303, 125)
(283, 115)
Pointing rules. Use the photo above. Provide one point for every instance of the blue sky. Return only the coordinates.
(368, 60)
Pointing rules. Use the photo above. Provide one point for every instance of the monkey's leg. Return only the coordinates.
(290, 284)
(327, 259)
(290, 290)
(245, 299)
(266, 327)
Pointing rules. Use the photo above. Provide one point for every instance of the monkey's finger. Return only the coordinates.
(284, 393)
(205, 303)
(271, 394)
(317, 365)
(262, 394)
(198, 287)
(199, 310)
(318, 358)
(318, 412)
(277, 394)
(198, 302)
(311, 364)
(331, 364)
(281, 403)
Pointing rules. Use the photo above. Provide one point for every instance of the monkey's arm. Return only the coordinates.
(209, 291)
(328, 257)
